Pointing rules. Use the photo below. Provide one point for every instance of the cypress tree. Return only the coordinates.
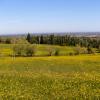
(28, 38)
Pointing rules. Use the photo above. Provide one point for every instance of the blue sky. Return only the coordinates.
(22, 16)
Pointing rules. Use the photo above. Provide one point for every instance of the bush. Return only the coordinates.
(50, 51)
(90, 50)
(71, 54)
(77, 50)
(8, 41)
(57, 52)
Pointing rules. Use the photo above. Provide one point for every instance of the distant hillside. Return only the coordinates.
(77, 34)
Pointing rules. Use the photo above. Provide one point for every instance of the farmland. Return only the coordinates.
(49, 78)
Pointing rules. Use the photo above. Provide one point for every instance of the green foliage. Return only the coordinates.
(30, 50)
(64, 40)
(8, 41)
(50, 51)
(80, 50)
(24, 50)
(77, 50)
(18, 50)
(90, 50)
(28, 37)
(41, 50)
(57, 51)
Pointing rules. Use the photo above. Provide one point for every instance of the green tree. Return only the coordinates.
(28, 38)
(89, 50)
(8, 41)
(18, 50)
(30, 50)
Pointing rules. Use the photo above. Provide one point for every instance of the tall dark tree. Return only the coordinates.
(0, 40)
(51, 39)
(28, 38)
(41, 40)
(89, 49)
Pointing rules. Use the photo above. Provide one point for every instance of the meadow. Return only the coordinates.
(41, 50)
(49, 78)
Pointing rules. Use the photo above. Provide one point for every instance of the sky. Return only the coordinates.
(37, 16)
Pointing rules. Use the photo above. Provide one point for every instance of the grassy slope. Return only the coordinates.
(50, 78)
(41, 50)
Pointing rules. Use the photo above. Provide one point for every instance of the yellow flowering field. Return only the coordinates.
(50, 78)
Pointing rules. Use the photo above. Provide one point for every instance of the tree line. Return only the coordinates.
(64, 40)
(23, 47)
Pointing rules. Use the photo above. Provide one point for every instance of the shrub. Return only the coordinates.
(57, 52)
(50, 51)
(90, 50)
(8, 41)
(71, 54)
(77, 50)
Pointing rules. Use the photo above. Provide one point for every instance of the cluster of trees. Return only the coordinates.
(82, 50)
(65, 40)
(13, 40)
(5, 40)
(24, 50)
(28, 50)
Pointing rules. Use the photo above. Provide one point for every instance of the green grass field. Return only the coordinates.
(49, 78)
